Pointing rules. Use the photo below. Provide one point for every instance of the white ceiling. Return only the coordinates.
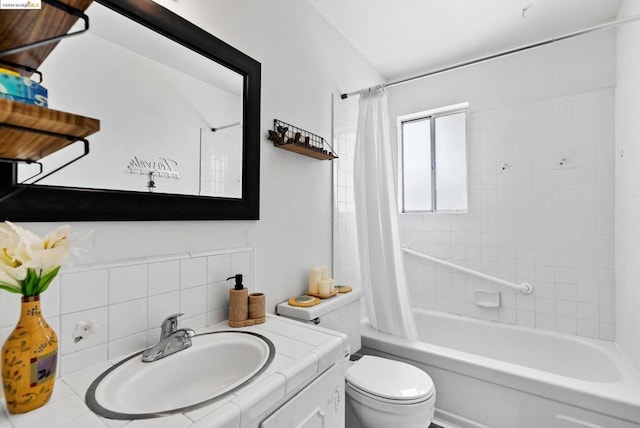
(401, 38)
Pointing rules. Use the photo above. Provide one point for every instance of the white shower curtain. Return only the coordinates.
(383, 276)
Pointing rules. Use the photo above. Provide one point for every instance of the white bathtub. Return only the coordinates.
(494, 375)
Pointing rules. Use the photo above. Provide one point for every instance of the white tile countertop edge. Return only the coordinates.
(303, 351)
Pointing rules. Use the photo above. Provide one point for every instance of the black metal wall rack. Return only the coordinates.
(288, 137)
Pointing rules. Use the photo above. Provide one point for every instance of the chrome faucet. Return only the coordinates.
(171, 340)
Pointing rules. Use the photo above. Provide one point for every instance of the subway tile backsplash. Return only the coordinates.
(129, 299)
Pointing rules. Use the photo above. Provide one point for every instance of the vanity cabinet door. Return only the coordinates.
(319, 405)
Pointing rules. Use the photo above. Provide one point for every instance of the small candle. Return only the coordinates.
(314, 279)
(332, 285)
(324, 286)
(325, 272)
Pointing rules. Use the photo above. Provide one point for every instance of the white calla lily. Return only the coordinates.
(29, 263)
(8, 279)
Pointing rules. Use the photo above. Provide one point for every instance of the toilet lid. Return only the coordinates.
(389, 379)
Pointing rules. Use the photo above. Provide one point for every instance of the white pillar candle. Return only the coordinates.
(332, 285)
(314, 278)
(325, 272)
(324, 286)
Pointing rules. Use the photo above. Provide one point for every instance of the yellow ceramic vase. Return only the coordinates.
(29, 359)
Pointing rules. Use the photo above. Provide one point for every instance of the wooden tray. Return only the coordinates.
(310, 301)
(247, 322)
(322, 296)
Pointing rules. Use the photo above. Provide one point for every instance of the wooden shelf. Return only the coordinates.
(29, 132)
(307, 151)
(19, 27)
(28, 145)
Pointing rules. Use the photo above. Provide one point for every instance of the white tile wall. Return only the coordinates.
(547, 219)
(129, 299)
(627, 240)
(126, 283)
(84, 290)
(346, 264)
(163, 276)
(193, 272)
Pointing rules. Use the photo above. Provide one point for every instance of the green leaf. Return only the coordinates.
(30, 283)
(35, 281)
(26, 284)
(45, 281)
(10, 288)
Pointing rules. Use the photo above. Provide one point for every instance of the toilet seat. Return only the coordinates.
(389, 381)
(352, 389)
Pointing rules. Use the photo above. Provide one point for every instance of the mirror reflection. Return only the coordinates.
(170, 118)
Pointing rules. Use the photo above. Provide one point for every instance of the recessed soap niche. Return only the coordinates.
(487, 298)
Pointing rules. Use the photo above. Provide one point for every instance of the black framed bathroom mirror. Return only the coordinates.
(164, 191)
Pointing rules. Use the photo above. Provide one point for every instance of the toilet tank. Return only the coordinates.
(340, 312)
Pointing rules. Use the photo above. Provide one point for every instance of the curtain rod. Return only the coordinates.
(605, 26)
(231, 125)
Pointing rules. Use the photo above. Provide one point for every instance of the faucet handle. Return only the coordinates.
(169, 325)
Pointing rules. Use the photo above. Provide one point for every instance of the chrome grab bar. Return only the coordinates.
(524, 288)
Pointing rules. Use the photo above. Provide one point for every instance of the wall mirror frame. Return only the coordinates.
(56, 203)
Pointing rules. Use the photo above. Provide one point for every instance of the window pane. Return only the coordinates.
(451, 162)
(416, 161)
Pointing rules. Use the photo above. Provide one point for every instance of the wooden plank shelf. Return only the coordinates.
(19, 27)
(27, 36)
(307, 151)
(30, 144)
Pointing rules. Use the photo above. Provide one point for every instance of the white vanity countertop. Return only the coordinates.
(302, 352)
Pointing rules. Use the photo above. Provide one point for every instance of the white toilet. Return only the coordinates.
(381, 393)
(387, 393)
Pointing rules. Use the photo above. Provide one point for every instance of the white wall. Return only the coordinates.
(536, 221)
(627, 242)
(303, 61)
(563, 68)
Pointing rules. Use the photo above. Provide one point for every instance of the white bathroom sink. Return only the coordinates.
(216, 364)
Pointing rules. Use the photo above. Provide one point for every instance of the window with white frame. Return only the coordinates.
(433, 160)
